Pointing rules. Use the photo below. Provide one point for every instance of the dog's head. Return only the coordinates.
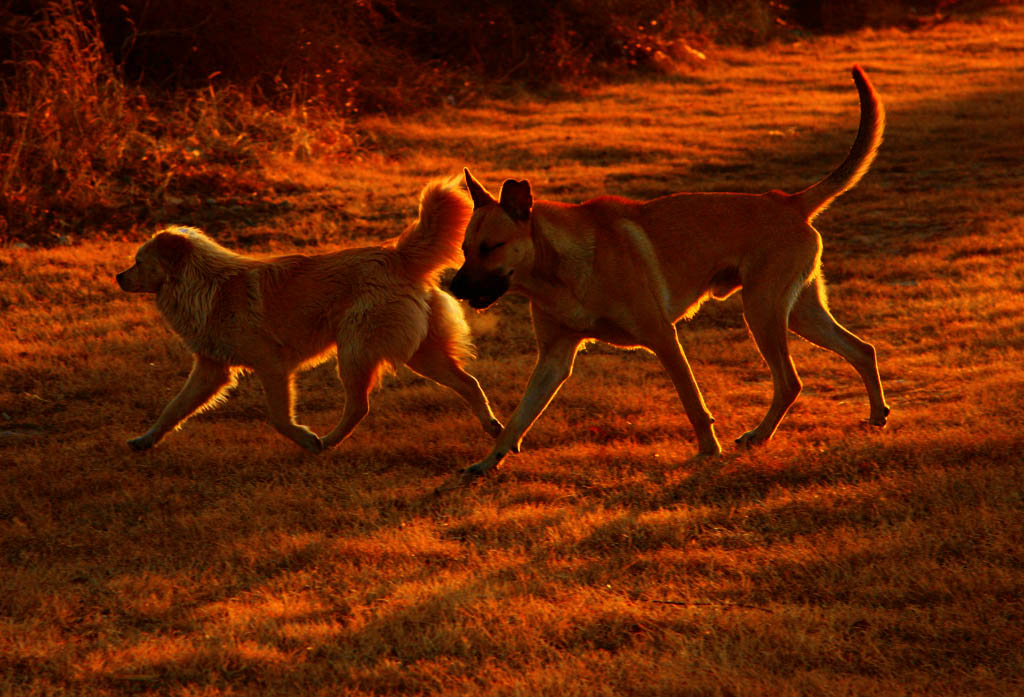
(157, 261)
(497, 242)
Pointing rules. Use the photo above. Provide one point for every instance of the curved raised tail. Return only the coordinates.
(434, 241)
(816, 198)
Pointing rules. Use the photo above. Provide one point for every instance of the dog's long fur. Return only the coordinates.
(379, 306)
(625, 272)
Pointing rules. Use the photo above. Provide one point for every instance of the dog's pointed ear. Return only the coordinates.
(172, 250)
(516, 199)
(480, 195)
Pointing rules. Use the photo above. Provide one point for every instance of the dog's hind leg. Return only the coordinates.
(811, 319)
(205, 383)
(432, 360)
(766, 315)
(369, 342)
(280, 402)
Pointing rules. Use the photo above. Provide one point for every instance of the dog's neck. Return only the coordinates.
(188, 302)
(547, 270)
(186, 307)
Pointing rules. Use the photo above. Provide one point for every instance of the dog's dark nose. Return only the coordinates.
(458, 285)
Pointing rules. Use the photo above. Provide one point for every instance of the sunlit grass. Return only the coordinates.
(603, 559)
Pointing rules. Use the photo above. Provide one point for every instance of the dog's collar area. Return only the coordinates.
(483, 301)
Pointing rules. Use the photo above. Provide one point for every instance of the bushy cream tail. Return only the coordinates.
(434, 241)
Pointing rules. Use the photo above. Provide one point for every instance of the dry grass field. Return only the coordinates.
(603, 559)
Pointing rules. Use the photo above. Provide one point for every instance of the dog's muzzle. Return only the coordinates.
(121, 281)
(128, 282)
(479, 291)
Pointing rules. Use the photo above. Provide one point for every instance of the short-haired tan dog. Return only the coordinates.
(625, 272)
(380, 306)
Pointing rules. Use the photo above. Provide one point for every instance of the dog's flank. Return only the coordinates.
(626, 271)
(379, 307)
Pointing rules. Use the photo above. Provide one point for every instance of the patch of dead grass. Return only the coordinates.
(602, 560)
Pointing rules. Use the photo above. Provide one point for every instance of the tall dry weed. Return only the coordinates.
(83, 150)
(120, 115)
(67, 119)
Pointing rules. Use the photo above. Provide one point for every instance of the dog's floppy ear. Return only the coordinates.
(172, 250)
(476, 190)
(516, 199)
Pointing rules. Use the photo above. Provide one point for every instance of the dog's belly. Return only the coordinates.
(621, 331)
(725, 282)
(610, 332)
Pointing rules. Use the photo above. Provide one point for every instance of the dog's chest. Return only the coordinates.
(579, 319)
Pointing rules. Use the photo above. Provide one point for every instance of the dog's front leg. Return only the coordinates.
(556, 353)
(671, 355)
(206, 381)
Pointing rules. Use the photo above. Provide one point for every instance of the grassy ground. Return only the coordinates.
(603, 560)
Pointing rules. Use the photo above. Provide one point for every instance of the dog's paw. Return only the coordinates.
(478, 470)
(879, 420)
(465, 478)
(312, 443)
(304, 438)
(750, 439)
(494, 428)
(141, 443)
(710, 451)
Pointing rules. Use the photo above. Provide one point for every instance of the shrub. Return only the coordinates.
(67, 122)
(82, 150)
(111, 106)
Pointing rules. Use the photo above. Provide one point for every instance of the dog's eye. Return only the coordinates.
(486, 249)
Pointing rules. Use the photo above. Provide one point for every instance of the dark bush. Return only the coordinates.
(390, 54)
(112, 107)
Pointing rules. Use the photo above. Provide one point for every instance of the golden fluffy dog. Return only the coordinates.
(379, 306)
(626, 271)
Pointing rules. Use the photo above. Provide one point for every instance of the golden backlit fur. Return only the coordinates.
(625, 272)
(378, 307)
